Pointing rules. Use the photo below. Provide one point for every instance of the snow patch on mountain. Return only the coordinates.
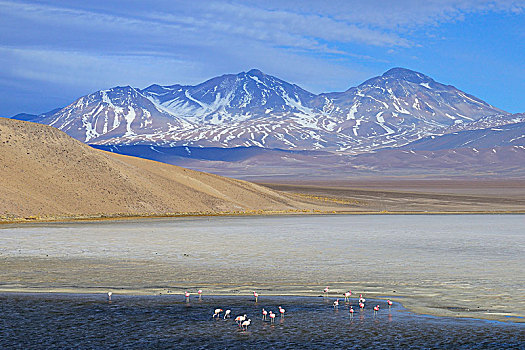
(253, 108)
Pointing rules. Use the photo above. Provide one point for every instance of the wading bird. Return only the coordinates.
(389, 303)
(187, 295)
(281, 310)
(325, 291)
(347, 296)
(227, 314)
(245, 324)
(351, 312)
(217, 313)
(255, 295)
(109, 296)
(336, 304)
(376, 309)
(272, 317)
(240, 319)
(264, 313)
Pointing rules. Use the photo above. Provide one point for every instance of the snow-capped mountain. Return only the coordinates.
(230, 98)
(400, 106)
(255, 109)
(107, 114)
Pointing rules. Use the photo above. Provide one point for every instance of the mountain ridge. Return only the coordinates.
(256, 109)
(489, 152)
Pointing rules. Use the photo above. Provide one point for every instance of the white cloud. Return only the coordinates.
(395, 15)
(321, 45)
(72, 68)
(317, 27)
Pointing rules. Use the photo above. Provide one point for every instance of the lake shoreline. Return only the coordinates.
(408, 303)
(454, 265)
(260, 213)
(168, 321)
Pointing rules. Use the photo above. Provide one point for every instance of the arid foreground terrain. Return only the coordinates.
(45, 174)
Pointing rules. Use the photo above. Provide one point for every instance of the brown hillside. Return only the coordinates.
(44, 172)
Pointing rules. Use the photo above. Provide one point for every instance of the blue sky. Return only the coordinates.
(52, 52)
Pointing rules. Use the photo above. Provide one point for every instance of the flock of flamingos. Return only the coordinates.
(243, 321)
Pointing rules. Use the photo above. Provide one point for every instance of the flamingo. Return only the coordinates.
(347, 296)
(362, 306)
(200, 293)
(245, 324)
(187, 295)
(255, 295)
(240, 319)
(336, 304)
(351, 312)
(217, 313)
(109, 295)
(264, 313)
(376, 309)
(361, 299)
(272, 317)
(325, 291)
(227, 314)
(389, 303)
(281, 310)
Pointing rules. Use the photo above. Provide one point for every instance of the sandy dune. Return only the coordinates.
(45, 173)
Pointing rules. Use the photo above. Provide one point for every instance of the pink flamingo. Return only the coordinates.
(264, 313)
(361, 299)
(109, 295)
(281, 310)
(347, 296)
(362, 306)
(325, 291)
(272, 317)
(200, 293)
(255, 295)
(336, 304)
(351, 312)
(240, 319)
(227, 314)
(187, 295)
(217, 313)
(389, 303)
(376, 309)
(245, 324)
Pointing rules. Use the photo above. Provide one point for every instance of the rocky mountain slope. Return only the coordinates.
(255, 109)
(466, 150)
(505, 135)
(46, 173)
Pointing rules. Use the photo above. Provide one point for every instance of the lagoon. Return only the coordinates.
(443, 265)
(88, 321)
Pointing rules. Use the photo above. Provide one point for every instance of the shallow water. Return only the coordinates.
(445, 262)
(89, 321)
